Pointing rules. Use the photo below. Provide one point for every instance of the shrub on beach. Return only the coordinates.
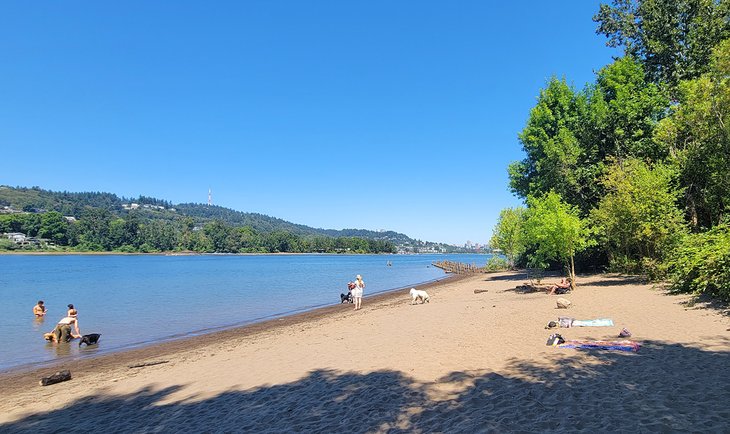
(701, 263)
(497, 263)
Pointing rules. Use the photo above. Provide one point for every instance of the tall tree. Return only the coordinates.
(673, 38)
(699, 136)
(623, 111)
(550, 145)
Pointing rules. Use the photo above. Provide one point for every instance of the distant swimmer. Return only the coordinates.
(39, 310)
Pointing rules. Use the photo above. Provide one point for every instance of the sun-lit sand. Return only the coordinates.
(465, 362)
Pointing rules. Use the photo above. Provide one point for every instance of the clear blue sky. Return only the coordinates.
(398, 115)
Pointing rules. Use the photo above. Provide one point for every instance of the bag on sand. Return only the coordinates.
(625, 333)
(555, 339)
(563, 303)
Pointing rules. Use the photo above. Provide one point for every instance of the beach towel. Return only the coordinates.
(599, 322)
(601, 345)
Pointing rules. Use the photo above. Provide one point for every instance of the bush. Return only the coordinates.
(701, 263)
(497, 263)
(6, 244)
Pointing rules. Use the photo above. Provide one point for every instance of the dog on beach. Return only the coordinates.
(90, 339)
(346, 298)
(418, 294)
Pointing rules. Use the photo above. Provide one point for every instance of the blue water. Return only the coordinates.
(134, 300)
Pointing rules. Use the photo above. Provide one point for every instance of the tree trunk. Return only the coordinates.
(572, 273)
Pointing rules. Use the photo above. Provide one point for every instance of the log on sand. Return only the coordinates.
(56, 378)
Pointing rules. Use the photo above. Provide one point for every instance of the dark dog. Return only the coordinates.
(346, 298)
(91, 339)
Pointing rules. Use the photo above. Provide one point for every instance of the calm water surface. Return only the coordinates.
(135, 300)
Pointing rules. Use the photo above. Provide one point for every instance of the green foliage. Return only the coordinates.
(104, 225)
(699, 136)
(497, 263)
(672, 38)
(555, 230)
(638, 218)
(550, 144)
(508, 233)
(569, 135)
(701, 263)
(623, 111)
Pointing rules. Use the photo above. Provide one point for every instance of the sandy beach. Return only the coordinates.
(465, 362)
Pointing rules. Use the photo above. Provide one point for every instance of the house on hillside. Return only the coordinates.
(16, 237)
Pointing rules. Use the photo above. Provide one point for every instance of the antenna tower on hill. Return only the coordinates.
(210, 197)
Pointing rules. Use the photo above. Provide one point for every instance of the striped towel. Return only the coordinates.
(602, 345)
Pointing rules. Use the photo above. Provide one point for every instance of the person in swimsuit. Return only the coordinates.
(560, 288)
(39, 310)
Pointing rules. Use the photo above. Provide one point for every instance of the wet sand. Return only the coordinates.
(466, 362)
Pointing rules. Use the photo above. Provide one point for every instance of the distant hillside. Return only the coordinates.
(73, 204)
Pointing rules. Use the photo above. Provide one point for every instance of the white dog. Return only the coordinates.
(417, 294)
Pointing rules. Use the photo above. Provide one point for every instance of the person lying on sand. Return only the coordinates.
(561, 287)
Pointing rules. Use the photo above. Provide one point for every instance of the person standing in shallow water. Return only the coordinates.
(39, 310)
(358, 291)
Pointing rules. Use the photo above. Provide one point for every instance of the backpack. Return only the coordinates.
(554, 340)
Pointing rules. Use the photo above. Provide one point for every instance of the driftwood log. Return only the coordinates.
(56, 378)
(528, 287)
(479, 291)
(143, 365)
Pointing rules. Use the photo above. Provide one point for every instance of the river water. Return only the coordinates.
(133, 300)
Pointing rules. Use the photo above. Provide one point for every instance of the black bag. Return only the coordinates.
(555, 339)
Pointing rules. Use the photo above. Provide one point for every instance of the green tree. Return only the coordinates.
(549, 143)
(699, 136)
(508, 233)
(555, 230)
(54, 227)
(93, 229)
(638, 217)
(623, 111)
(672, 38)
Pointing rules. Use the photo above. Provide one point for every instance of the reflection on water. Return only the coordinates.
(59, 350)
(38, 322)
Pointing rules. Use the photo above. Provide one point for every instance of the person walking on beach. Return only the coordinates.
(357, 291)
(39, 310)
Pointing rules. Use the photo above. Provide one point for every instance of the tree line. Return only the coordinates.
(631, 173)
(99, 230)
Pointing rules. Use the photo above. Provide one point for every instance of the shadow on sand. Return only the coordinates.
(663, 387)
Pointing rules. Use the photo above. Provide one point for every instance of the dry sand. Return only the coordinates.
(465, 362)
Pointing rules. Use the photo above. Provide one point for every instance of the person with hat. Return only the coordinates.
(357, 291)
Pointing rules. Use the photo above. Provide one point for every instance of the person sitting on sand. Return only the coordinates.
(560, 288)
(63, 332)
(39, 310)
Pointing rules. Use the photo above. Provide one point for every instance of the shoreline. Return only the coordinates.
(474, 359)
(20, 374)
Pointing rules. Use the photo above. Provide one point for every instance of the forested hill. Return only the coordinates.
(74, 204)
